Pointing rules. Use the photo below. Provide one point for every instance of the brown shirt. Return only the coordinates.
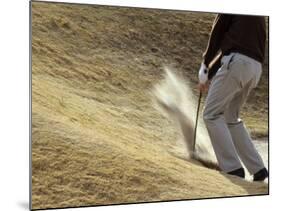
(237, 33)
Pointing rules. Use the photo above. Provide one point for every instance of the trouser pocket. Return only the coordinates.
(226, 60)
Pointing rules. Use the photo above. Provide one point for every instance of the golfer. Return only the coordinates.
(238, 43)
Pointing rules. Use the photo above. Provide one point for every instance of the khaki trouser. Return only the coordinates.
(228, 91)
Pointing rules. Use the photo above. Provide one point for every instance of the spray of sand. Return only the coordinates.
(175, 99)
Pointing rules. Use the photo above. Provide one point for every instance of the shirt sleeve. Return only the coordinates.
(220, 27)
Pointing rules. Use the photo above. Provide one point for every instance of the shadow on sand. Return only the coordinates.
(252, 188)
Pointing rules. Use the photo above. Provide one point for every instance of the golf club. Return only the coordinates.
(196, 122)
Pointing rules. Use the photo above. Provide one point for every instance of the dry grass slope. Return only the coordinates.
(96, 139)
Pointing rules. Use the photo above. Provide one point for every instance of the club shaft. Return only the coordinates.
(196, 121)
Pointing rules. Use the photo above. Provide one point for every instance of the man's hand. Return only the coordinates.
(203, 74)
(203, 78)
(203, 87)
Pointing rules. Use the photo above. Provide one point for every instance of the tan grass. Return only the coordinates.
(96, 138)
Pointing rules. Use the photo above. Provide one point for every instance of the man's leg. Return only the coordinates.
(222, 89)
(240, 136)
